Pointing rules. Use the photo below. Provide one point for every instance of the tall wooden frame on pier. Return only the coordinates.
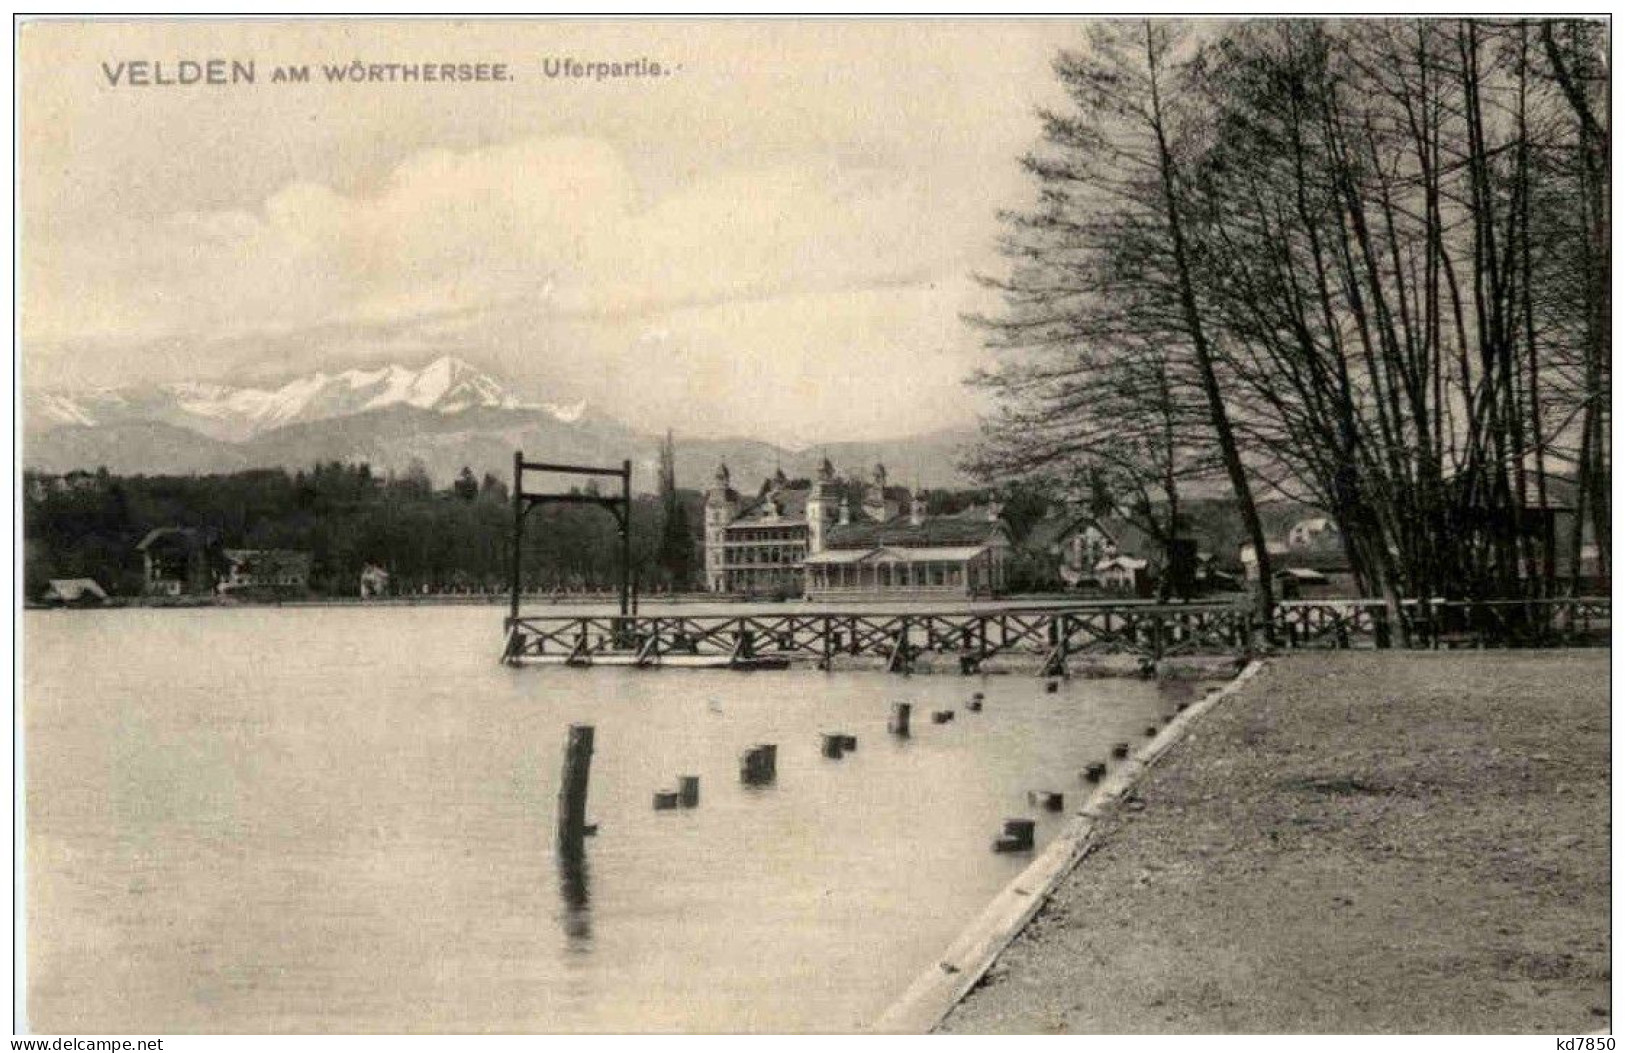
(620, 507)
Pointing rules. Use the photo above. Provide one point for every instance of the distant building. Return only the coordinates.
(1310, 563)
(176, 561)
(759, 546)
(801, 537)
(1115, 554)
(1112, 552)
(1316, 533)
(374, 581)
(1123, 574)
(265, 570)
(74, 592)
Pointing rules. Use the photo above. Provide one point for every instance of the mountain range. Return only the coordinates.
(446, 414)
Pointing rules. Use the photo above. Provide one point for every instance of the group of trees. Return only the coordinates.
(347, 517)
(1362, 265)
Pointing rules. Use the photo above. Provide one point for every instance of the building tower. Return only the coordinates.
(874, 496)
(819, 510)
(721, 505)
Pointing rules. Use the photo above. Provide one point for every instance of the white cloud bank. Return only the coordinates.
(791, 297)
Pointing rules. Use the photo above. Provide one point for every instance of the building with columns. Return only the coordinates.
(803, 538)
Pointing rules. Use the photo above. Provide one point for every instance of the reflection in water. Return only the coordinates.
(575, 888)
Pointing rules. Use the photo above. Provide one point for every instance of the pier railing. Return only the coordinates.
(1052, 634)
(899, 638)
(1443, 623)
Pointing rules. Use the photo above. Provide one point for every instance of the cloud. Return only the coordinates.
(792, 287)
(558, 219)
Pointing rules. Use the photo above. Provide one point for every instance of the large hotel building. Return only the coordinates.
(801, 537)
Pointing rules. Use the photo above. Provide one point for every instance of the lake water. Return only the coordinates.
(262, 820)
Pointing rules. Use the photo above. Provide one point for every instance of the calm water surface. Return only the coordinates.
(264, 820)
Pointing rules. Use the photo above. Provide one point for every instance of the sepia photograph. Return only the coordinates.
(811, 525)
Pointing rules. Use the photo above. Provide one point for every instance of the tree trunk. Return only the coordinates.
(1228, 450)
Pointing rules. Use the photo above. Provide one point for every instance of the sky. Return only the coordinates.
(776, 239)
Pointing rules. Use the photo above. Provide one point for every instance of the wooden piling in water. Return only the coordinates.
(688, 791)
(849, 743)
(1120, 750)
(942, 716)
(898, 723)
(833, 745)
(759, 764)
(665, 800)
(572, 817)
(1049, 800)
(1018, 836)
(1095, 772)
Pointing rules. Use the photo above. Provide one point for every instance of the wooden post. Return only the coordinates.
(573, 788)
(898, 724)
(626, 537)
(688, 790)
(1018, 836)
(759, 764)
(1051, 800)
(518, 535)
(834, 744)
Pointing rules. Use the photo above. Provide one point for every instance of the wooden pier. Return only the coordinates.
(1051, 635)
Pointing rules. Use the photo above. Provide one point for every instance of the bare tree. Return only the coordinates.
(1372, 269)
(1366, 264)
(1108, 367)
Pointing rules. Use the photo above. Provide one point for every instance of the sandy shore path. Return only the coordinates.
(1355, 842)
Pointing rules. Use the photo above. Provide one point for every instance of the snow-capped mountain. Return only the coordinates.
(447, 385)
(446, 415)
